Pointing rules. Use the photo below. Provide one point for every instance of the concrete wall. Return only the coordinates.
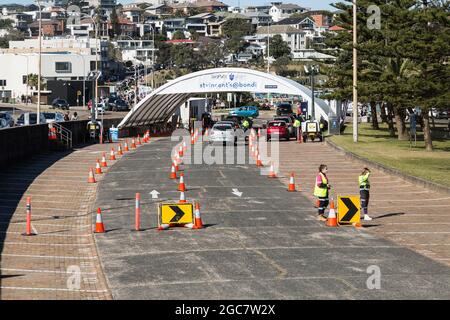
(22, 143)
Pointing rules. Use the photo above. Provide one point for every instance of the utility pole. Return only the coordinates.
(355, 75)
(313, 109)
(38, 110)
(268, 47)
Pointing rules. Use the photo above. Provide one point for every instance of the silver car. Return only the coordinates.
(53, 117)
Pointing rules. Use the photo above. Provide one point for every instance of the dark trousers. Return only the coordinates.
(364, 196)
(323, 204)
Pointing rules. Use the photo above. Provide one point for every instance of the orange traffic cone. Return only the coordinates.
(192, 139)
(99, 226)
(173, 174)
(119, 150)
(133, 144)
(182, 197)
(138, 141)
(163, 227)
(104, 164)
(91, 178)
(181, 185)
(272, 173)
(98, 169)
(198, 220)
(175, 164)
(258, 161)
(180, 151)
(112, 156)
(291, 186)
(331, 220)
(125, 148)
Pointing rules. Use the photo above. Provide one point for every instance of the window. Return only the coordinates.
(2, 83)
(24, 79)
(63, 67)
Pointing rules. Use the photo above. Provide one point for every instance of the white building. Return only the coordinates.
(280, 10)
(295, 38)
(136, 51)
(62, 59)
(51, 3)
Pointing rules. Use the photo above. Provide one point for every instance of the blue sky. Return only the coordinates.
(314, 4)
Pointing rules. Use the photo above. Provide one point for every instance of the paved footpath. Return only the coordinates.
(264, 244)
(39, 267)
(407, 214)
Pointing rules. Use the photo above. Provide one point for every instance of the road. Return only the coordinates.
(266, 244)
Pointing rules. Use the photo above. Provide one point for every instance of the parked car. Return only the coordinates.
(51, 117)
(222, 132)
(289, 124)
(29, 118)
(284, 109)
(7, 121)
(60, 104)
(117, 104)
(277, 128)
(245, 111)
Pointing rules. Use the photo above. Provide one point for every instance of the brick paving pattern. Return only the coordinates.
(407, 214)
(43, 266)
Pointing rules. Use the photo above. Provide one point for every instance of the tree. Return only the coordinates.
(13, 35)
(6, 24)
(403, 64)
(235, 44)
(115, 24)
(194, 35)
(236, 28)
(281, 65)
(178, 35)
(278, 47)
(32, 81)
(213, 53)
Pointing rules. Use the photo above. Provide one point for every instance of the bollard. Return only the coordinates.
(137, 219)
(28, 231)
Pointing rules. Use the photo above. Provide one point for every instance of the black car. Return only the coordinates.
(60, 104)
(120, 105)
(284, 109)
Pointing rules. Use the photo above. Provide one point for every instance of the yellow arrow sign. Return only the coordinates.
(176, 213)
(349, 209)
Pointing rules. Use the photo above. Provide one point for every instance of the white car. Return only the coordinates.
(222, 132)
(51, 117)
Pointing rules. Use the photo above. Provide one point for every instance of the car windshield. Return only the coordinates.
(48, 115)
(283, 119)
(284, 107)
(3, 116)
(277, 124)
(222, 127)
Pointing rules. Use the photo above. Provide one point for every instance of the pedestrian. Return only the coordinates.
(74, 116)
(67, 116)
(246, 124)
(321, 190)
(364, 192)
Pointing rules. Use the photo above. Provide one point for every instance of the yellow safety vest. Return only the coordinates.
(321, 192)
(363, 181)
(296, 123)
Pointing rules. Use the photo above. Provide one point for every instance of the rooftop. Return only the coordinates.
(277, 29)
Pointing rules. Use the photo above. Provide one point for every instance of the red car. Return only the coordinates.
(278, 128)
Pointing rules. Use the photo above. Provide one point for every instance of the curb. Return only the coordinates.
(420, 181)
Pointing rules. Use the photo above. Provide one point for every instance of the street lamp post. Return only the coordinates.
(355, 76)
(38, 110)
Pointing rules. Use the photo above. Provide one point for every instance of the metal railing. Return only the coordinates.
(64, 135)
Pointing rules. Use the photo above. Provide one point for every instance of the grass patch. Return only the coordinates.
(378, 146)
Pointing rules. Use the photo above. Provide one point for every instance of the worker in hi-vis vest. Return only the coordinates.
(321, 190)
(364, 192)
(297, 125)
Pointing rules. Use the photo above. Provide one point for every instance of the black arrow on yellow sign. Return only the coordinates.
(178, 213)
(352, 209)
